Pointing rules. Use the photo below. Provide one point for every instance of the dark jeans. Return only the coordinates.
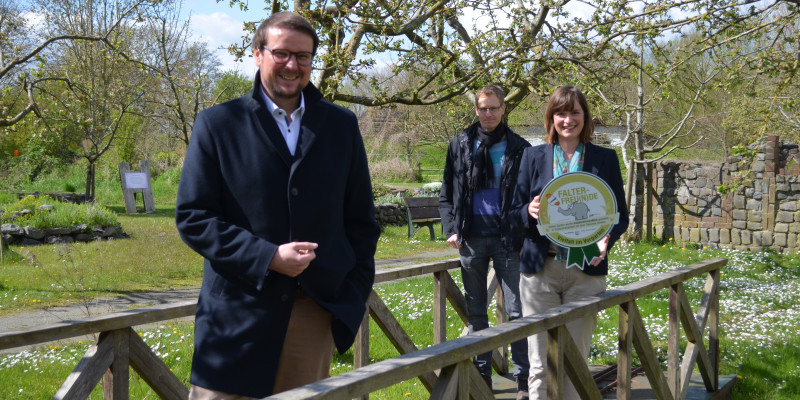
(475, 255)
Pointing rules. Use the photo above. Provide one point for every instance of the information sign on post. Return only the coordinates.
(136, 182)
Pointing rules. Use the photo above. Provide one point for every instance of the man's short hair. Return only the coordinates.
(491, 90)
(286, 20)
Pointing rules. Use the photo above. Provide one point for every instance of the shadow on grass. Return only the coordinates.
(159, 213)
(774, 370)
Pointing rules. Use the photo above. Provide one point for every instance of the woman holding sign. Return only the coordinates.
(571, 220)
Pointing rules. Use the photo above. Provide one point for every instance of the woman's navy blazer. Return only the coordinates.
(535, 172)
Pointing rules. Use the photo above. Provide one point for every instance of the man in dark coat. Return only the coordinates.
(276, 196)
(480, 173)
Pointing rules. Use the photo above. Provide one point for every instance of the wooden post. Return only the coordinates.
(713, 328)
(136, 182)
(116, 378)
(624, 353)
(673, 340)
(361, 348)
(439, 307)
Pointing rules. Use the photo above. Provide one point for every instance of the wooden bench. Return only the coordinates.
(422, 211)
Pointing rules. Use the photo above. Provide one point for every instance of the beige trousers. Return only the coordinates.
(551, 287)
(306, 356)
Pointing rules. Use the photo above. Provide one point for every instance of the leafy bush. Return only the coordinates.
(61, 215)
(379, 190)
(389, 198)
(431, 189)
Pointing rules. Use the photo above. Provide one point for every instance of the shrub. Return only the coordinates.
(61, 215)
(379, 190)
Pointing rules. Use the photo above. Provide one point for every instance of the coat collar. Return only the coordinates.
(312, 96)
(590, 161)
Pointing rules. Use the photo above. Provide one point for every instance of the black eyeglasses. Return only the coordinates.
(281, 56)
(487, 110)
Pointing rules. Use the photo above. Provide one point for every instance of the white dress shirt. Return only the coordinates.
(289, 130)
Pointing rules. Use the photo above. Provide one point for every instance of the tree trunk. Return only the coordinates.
(90, 182)
(638, 195)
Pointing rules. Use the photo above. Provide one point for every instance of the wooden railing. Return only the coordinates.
(119, 346)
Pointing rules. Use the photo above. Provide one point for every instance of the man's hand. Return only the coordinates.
(533, 207)
(293, 258)
(453, 240)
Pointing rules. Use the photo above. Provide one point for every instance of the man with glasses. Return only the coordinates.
(276, 196)
(480, 174)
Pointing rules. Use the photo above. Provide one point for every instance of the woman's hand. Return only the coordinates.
(602, 245)
(533, 207)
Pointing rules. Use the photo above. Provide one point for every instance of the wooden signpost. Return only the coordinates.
(136, 182)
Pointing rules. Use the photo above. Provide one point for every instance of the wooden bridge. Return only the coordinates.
(445, 368)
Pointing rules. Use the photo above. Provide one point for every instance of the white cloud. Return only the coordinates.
(220, 30)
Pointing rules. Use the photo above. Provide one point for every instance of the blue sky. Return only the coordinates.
(220, 25)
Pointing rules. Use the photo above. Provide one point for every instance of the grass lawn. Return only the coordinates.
(759, 303)
(153, 258)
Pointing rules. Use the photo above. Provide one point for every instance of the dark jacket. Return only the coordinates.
(534, 174)
(241, 195)
(455, 198)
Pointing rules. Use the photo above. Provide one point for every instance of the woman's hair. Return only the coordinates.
(563, 99)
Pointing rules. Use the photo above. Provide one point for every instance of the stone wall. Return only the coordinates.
(391, 214)
(762, 212)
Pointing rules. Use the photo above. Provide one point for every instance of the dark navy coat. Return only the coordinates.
(535, 173)
(241, 195)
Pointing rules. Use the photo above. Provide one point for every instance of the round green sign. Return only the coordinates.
(577, 209)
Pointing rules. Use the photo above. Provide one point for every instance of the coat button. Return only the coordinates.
(284, 297)
(294, 191)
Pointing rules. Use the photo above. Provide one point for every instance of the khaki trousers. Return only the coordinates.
(551, 287)
(306, 356)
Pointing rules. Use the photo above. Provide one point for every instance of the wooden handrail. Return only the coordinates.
(386, 373)
(119, 344)
(140, 316)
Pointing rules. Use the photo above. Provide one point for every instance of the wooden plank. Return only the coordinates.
(477, 388)
(385, 373)
(384, 318)
(396, 273)
(673, 340)
(89, 371)
(147, 193)
(127, 194)
(695, 352)
(439, 307)
(422, 201)
(117, 376)
(388, 323)
(153, 370)
(650, 363)
(500, 355)
(361, 345)
(713, 287)
(577, 368)
(464, 379)
(90, 325)
(456, 298)
(425, 213)
(446, 387)
(624, 353)
(361, 348)
(554, 366)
